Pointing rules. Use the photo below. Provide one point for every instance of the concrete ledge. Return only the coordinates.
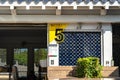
(5, 77)
(110, 71)
(74, 78)
(60, 71)
(65, 71)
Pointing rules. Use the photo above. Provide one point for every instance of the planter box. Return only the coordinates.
(65, 71)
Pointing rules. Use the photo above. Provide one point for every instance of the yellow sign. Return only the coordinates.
(55, 32)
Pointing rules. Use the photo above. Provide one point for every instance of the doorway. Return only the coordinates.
(116, 44)
(22, 43)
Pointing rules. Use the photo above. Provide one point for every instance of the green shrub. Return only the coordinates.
(89, 67)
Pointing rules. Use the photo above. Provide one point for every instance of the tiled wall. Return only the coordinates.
(79, 44)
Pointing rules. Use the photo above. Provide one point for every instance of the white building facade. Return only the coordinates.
(101, 47)
(75, 28)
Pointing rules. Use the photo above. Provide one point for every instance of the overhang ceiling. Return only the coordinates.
(66, 10)
(50, 11)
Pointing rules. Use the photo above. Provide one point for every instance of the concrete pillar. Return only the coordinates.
(30, 62)
(10, 57)
(106, 44)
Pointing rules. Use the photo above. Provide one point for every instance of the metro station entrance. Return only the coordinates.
(24, 46)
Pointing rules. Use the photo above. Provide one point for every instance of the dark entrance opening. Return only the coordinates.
(30, 37)
(116, 44)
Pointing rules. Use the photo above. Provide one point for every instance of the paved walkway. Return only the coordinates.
(73, 78)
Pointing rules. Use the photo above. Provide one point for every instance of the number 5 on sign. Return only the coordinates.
(59, 35)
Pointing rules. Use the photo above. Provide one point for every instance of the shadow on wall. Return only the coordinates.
(110, 71)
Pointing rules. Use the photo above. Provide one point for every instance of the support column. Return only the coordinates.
(30, 63)
(10, 56)
(107, 44)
